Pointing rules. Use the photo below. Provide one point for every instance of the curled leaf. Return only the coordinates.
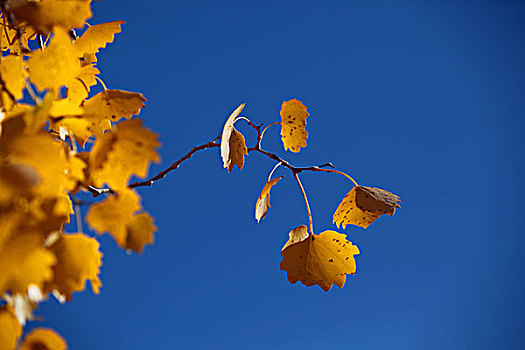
(293, 124)
(363, 205)
(323, 259)
(43, 339)
(233, 146)
(263, 202)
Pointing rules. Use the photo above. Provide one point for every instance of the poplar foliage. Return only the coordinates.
(58, 138)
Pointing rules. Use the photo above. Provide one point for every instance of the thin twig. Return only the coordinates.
(296, 176)
(174, 165)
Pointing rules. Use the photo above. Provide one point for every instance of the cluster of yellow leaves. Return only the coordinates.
(41, 168)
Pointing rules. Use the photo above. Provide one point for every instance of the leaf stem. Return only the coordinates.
(296, 176)
(101, 82)
(267, 126)
(339, 172)
(274, 168)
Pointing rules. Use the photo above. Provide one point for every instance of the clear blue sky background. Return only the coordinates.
(423, 98)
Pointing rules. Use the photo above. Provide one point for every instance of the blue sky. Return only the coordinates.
(422, 98)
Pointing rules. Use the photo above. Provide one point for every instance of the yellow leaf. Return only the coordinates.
(65, 107)
(96, 37)
(44, 15)
(9, 40)
(123, 153)
(13, 74)
(78, 89)
(113, 105)
(363, 205)
(263, 202)
(16, 181)
(233, 146)
(322, 259)
(82, 128)
(293, 123)
(24, 260)
(55, 66)
(78, 260)
(43, 339)
(140, 232)
(10, 329)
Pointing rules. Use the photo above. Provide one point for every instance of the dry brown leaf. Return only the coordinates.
(322, 259)
(44, 15)
(13, 74)
(43, 339)
(363, 205)
(55, 66)
(113, 105)
(10, 329)
(293, 123)
(233, 151)
(25, 261)
(263, 202)
(78, 260)
(118, 155)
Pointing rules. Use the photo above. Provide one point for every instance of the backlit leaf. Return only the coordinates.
(323, 259)
(233, 146)
(122, 153)
(78, 261)
(55, 66)
(263, 202)
(293, 123)
(96, 37)
(363, 205)
(113, 105)
(10, 329)
(25, 261)
(43, 339)
(117, 215)
(44, 15)
(13, 74)
(140, 232)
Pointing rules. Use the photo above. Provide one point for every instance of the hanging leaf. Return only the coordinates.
(78, 261)
(114, 105)
(293, 123)
(55, 66)
(44, 15)
(43, 339)
(118, 216)
(263, 202)
(363, 205)
(120, 154)
(233, 146)
(140, 232)
(323, 259)
(10, 329)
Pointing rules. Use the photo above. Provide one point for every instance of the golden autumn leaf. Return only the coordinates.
(97, 37)
(9, 39)
(323, 259)
(263, 202)
(78, 89)
(118, 155)
(25, 261)
(13, 74)
(38, 151)
(43, 339)
(10, 329)
(55, 66)
(140, 232)
(16, 181)
(113, 105)
(293, 123)
(78, 260)
(117, 215)
(363, 205)
(233, 146)
(44, 15)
